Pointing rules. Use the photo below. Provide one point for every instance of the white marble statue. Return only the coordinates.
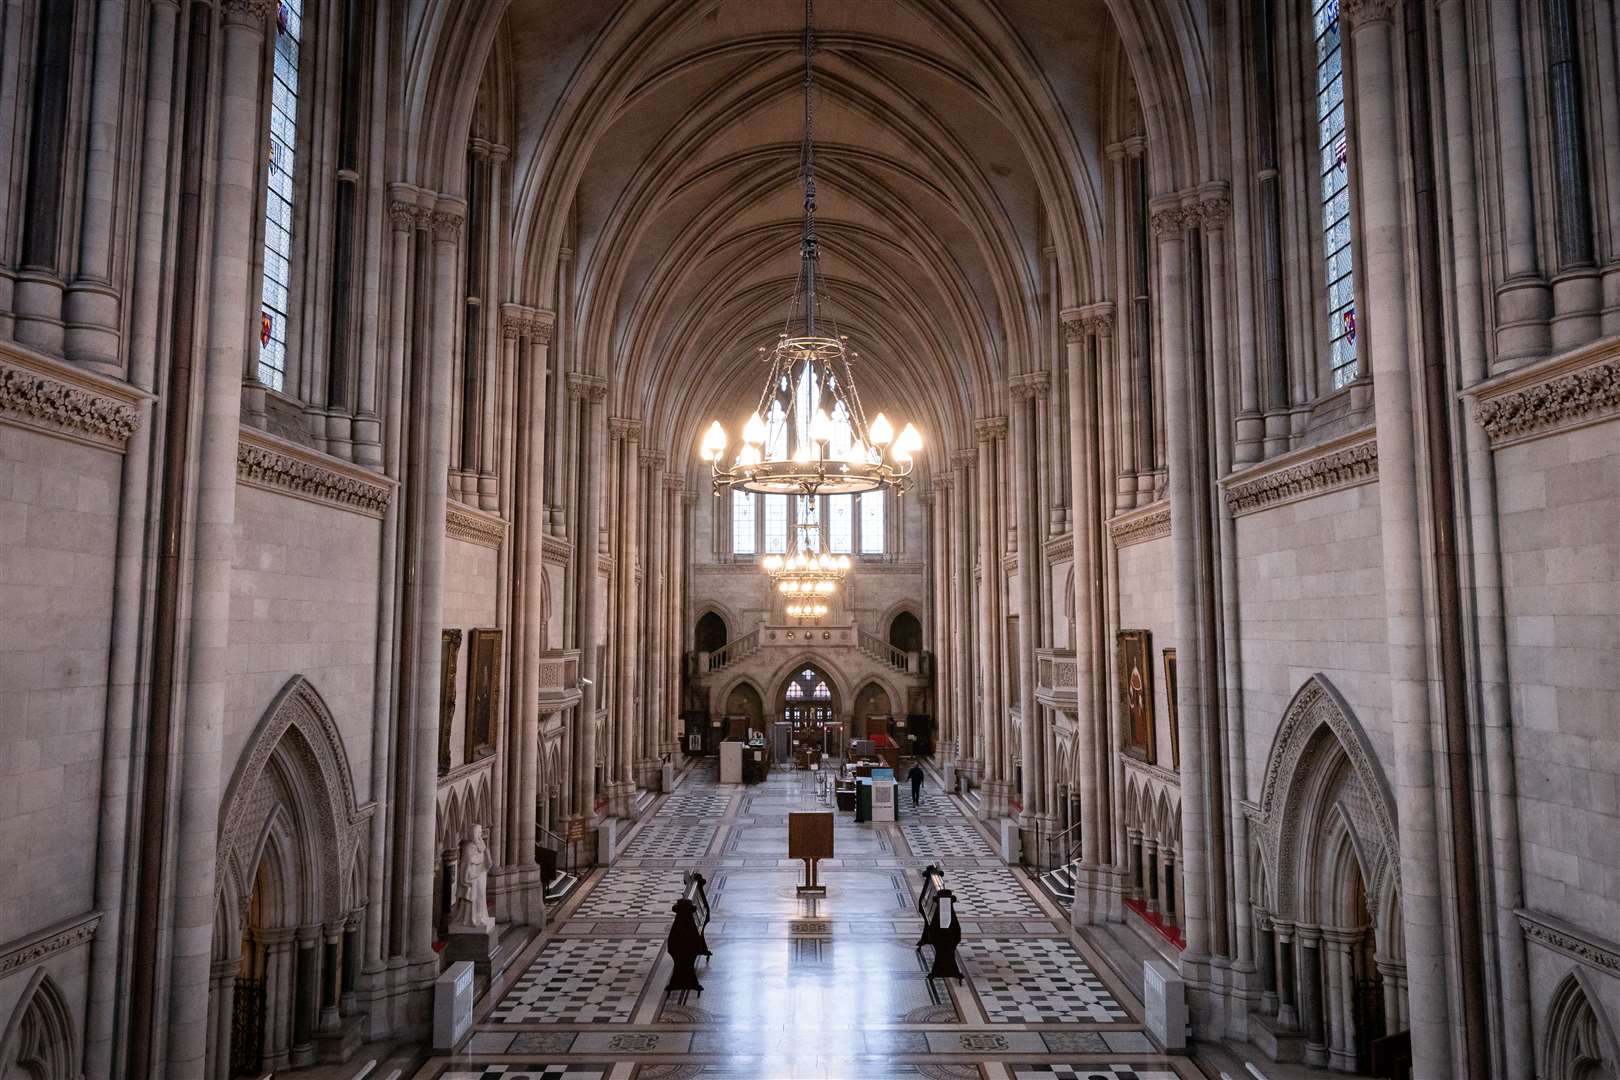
(472, 903)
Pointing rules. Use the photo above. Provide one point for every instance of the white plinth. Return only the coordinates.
(883, 797)
(667, 777)
(1009, 842)
(731, 762)
(607, 834)
(1164, 1002)
(452, 1005)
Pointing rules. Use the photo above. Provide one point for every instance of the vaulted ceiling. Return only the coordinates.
(656, 150)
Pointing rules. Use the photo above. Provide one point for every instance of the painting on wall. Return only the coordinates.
(449, 647)
(1170, 707)
(483, 691)
(1135, 663)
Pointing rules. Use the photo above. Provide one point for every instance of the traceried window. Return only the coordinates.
(841, 524)
(278, 205)
(776, 524)
(742, 522)
(872, 523)
(1334, 150)
(822, 693)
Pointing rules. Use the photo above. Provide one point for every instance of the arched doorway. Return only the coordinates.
(289, 912)
(874, 713)
(905, 633)
(744, 709)
(710, 634)
(40, 1041)
(808, 703)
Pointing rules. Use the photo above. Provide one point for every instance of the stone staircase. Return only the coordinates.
(560, 887)
(1059, 883)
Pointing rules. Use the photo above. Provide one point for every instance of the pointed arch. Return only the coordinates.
(1578, 1042)
(41, 1040)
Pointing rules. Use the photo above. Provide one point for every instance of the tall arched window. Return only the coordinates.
(1334, 153)
(278, 205)
(872, 522)
(742, 522)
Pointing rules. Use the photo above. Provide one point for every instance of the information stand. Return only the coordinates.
(810, 837)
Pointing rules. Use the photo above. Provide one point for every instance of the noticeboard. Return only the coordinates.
(810, 835)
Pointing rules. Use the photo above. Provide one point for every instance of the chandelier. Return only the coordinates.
(809, 434)
(807, 571)
(806, 609)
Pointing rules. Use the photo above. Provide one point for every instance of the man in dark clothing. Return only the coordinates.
(916, 778)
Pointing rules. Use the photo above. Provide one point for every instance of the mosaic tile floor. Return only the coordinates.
(798, 987)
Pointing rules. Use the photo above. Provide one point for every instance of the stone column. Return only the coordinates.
(1169, 225)
(939, 556)
(431, 481)
(331, 976)
(221, 1007)
(1287, 1011)
(1026, 392)
(351, 961)
(279, 989)
(524, 902)
(656, 643)
(229, 270)
(994, 802)
(969, 721)
(1310, 997)
(1266, 953)
(306, 994)
(1390, 348)
(589, 390)
(629, 615)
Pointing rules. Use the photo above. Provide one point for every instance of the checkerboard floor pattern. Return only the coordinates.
(990, 893)
(1037, 980)
(529, 1072)
(1089, 1072)
(934, 802)
(632, 894)
(698, 803)
(580, 981)
(676, 840)
(947, 840)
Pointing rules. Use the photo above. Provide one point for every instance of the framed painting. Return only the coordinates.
(449, 649)
(483, 691)
(1170, 707)
(1135, 665)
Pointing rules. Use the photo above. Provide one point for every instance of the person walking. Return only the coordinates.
(916, 778)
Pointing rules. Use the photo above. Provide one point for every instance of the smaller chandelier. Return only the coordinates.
(807, 610)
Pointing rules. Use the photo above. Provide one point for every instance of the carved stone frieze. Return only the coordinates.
(990, 427)
(64, 403)
(1030, 384)
(585, 387)
(463, 523)
(1565, 400)
(299, 472)
(1552, 933)
(1366, 11)
(1151, 522)
(1338, 464)
(35, 948)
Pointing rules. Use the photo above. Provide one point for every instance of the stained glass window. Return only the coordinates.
(776, 524)
(872, 523)
(742, 522)
(278, 205)
(841, 524)
(1334, 147)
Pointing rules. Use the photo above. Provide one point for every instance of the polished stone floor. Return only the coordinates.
(806, 988)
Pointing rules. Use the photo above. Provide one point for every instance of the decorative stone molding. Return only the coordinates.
(654, 459)
(1213, 211)
(1060, 548)
(1346, 461)
(462, 522)
(990, 427)
(1030, 384)
(585, 387)
(962, 458)
(1150, 522)
(248, 12)
(556, 550)
(403, 215)
(675, 482)
(1560, 936)
(58, 399)
(622, 427)
(1074, 326)
(1567, 391)
(1099, 318)
(447, 218)
(28, 951)
(1171, 221)
(264, 461)
(541, 325)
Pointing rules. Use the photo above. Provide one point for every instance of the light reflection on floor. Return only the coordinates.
(805, 988)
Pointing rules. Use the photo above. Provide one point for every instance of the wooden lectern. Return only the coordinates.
(810, 837)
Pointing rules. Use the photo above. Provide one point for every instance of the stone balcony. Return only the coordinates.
(1057, 677)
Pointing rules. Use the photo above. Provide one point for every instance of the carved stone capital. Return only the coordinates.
(623, 427)
(963, 458)
(403, 215)
(541, 324)
(1074, 326)
(1030, 385)
(1358, 12)
(248, 12)
(675, 482)
(1214, 210)
(654, 459)
(584, 387)
(990, 427)
(1171, 221)
(447, 219)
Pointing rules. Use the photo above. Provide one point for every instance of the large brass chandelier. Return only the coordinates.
(809, 435)
(807, 576)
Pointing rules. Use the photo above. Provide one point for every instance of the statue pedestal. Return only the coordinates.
(478, 945)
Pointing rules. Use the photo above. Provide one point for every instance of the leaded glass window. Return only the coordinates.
(278, 206)
(776, 524)
(841, 524)
(872, 523)
(742, 522)
(1334, 149)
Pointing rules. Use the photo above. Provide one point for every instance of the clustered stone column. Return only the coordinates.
(626, 580)
(589, 391)
(992, 653)
(1028, 392)
(655, 640)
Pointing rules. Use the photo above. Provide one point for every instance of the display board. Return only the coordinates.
(810, 835)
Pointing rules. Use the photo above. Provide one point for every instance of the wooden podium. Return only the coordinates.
(810, 837)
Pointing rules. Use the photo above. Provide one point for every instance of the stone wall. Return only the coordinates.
(1147, 601)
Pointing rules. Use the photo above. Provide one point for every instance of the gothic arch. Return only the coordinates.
(1577, 1041)
(292, 783)
(1322, 773)
(41, 1041)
